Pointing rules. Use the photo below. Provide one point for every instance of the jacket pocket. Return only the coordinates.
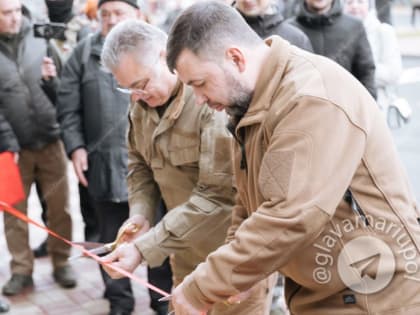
(196, 212)
(182, 156)
(184, 148)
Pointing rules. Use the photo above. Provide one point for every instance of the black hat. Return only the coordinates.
(130, 2)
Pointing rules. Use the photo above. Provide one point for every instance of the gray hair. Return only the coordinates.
(132, 36)
(207, 28)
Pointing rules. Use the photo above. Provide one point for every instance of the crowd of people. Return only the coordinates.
(289, 140)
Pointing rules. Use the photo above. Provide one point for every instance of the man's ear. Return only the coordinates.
(237, 57)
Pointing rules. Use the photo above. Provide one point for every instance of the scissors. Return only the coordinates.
(96, 248)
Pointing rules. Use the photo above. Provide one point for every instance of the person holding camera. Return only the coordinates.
(63, 32)
(76, 26)
(28, 113)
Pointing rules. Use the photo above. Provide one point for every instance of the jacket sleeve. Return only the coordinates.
(239, 214)
(303, 177)
(69, 103)
(363, 66)
(389, 66)
(208, 210)
(8, 140)
(143, 192)
(50, 89)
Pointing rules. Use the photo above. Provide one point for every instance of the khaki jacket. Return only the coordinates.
(311, 132)
(183, 158)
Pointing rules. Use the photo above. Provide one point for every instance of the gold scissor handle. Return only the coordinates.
(132, 227)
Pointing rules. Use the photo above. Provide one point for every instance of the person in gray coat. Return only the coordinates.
(339, 37)
(93, 117)
(28, 127)
(266, 19)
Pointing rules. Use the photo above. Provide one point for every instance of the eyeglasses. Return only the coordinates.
(139, 91)
(142, 87)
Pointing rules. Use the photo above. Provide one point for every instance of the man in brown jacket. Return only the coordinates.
(178, 150)
(307, 134)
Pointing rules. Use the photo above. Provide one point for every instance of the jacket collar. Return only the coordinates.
(178, 103)
(181, 94)
(312, 19)
(97, 44)
(268, 81)
(266, 21)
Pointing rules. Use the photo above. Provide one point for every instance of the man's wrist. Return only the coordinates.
(193, 294)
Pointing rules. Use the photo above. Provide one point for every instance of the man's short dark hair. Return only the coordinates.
(207, 28)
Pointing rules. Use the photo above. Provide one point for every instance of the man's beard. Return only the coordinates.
(239, 99)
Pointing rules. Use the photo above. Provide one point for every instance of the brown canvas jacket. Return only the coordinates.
(183, 157)
(312, 131)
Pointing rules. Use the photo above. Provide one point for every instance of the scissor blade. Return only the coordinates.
(89, 245)
(165, 298)
(101, 249)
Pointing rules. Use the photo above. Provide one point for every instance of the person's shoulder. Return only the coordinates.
(292, 28)
(294, 35)
(86, 41)
(351, 21)
(293, 21)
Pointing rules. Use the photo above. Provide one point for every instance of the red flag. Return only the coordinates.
(11, 187)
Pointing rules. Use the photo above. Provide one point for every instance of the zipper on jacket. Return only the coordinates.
(21, 72)
(243, 165)
(349, 198)
(289, 300)
(241, 141)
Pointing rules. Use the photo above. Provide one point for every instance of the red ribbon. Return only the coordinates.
(26, 219)
(4, 206)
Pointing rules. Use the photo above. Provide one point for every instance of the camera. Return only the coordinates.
(50, 30)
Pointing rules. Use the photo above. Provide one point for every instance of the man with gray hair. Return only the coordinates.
(323, 197)
(181, 150)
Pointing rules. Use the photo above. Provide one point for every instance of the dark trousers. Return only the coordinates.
(111, 216)
(87, 210)
(90, 218)
(161, 276)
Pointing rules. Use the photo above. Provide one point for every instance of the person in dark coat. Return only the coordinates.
(266, 19)
(339, 37)
(93, 118)
(29, 128)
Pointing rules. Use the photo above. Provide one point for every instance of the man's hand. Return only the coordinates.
(181, 305)
(80, 164)
(238, 298)
(131, 234)
(48, 69)
(126, 256)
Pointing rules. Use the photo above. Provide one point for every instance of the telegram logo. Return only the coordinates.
(366, 264)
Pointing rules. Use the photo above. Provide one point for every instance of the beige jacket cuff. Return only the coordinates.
(140, 208)
(148, 245)
(194, 295)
